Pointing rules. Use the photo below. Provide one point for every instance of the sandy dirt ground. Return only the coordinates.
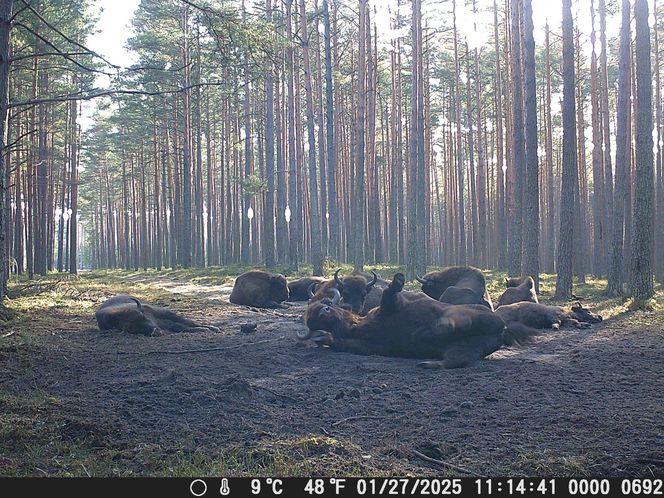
(588, 402)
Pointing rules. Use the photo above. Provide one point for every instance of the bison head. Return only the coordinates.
(278, 288)
(431, 286)
(325, 315)
(313, 288)
(584, 315)
(137, 322)
(332, 299)
(354, 290)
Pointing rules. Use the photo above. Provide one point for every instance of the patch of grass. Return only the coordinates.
(300, 457)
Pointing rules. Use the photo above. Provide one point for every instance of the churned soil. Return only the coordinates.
(574, 402)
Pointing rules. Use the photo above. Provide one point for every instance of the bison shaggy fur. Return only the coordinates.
(524, 290)
(457, 285)
(410, 326)
(527, 316)
(300, 288)
(260, 289)
(359, 292)
(131, 315)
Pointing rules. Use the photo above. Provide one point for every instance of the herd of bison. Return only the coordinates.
(452, 322)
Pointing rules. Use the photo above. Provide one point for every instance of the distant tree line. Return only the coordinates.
(290, 131)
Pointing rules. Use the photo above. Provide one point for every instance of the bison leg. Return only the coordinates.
(577, 324)
(177, 326)
(353, 346)
(466, 351)
(391, 301)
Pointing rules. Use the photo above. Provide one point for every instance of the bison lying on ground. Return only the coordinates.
(526, 317)
(456, 285)
(260, 289)
(303, 288)
(408, 327)
(518, 289)
(358, 293)
(128, 314)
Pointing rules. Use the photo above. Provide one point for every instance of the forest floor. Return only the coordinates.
(75, 401)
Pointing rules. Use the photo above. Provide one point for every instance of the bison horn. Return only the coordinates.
(336, 277)
(310, 290)
(337, 295)
(138, 304)
(303, 335)
(373, 282)
(420, 278)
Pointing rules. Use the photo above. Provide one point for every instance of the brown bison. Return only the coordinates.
(527, 317)
(456, 285)
(303, 288)
(358, 293)
(129, 314)
(518, 289)
(260, 289)
(408, 326)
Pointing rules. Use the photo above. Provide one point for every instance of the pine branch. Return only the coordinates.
(93, 94)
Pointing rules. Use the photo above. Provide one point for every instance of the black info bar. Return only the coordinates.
(328, 486)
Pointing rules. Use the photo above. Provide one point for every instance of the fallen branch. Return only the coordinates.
(9, 334)
(443, 464)
(225, 348)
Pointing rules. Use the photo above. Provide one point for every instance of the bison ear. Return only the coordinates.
(576, 306)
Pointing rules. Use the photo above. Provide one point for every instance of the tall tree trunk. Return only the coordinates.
(461, 252)
(268, 217)
(551, 231)
(5, 27)
(316, 250)
(500, 222)
(569, 189)
(599, 198)
(332, 208)
(623, 156)
(531, 235)
(293, 205)
(642, 236)
(359, 190)
(73, 218)
(515, 227)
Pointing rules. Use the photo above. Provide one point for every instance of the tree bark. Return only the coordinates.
(569, 190)
(642, 235)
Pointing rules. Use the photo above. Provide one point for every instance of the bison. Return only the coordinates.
(303, 288)
(457, 285)
(130, 315)
(260, 289)
(407, 326)
(518, 289)
(358, 293)
(527, 317)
